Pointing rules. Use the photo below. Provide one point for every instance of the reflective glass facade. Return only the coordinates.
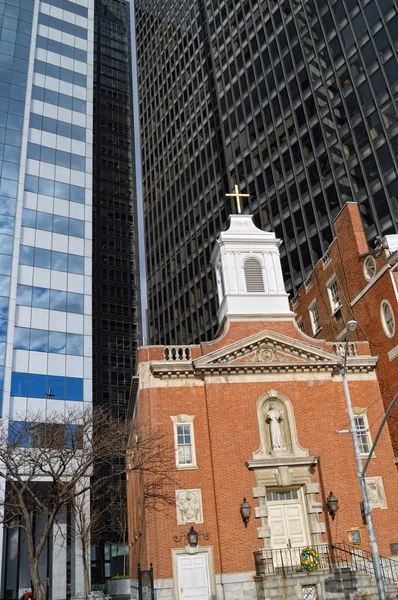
(116, 288)
(46, 86)
(295, 100)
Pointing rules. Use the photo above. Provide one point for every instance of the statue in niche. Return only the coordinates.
(274, 419)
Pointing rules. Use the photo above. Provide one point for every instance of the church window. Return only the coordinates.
(315, 319)
(253, 275)
(361, 425)
(184, 444)
(369, 268)
(334, 296)
(184, 441)
(387, 318)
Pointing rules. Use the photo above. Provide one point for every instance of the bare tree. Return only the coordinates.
(47, 463)
(90, 523)
(117, 514)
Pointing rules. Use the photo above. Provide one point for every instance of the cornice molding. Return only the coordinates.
(304, 358)
(281, 461)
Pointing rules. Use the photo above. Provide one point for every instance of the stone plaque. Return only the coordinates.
(189, 506)
(377, 497)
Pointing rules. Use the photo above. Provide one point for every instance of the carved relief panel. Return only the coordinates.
(189, 506)
(377, 496)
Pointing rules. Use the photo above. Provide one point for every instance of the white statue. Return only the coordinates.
(274, 418)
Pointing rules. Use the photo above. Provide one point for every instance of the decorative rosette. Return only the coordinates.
(309, 559)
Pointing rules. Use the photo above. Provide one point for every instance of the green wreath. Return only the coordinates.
(309, 559)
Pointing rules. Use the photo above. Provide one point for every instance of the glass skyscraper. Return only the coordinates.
(293, 100)
(116, 286)
(46, 83)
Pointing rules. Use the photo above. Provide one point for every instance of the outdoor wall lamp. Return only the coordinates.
(333, 505)
(245, 509)
(192, 536)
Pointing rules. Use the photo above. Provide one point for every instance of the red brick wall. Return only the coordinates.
(226, 435)
(347, 264)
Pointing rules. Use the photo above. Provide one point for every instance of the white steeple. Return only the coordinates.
(249, 273)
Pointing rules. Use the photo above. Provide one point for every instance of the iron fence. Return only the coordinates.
(288, 560)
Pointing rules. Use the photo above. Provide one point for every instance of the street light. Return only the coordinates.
(351, 327)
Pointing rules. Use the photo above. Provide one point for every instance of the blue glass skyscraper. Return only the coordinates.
(46, 83)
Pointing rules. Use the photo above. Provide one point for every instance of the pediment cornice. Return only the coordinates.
(263, 353)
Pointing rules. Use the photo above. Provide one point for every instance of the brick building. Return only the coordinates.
(352, 281)
(254, 415)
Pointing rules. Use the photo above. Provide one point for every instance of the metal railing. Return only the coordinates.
(338, 556)
(287, 560)
(360, 560)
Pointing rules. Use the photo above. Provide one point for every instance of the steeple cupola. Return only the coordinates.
(249, 274)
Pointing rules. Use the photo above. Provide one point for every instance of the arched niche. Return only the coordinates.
(288, 427)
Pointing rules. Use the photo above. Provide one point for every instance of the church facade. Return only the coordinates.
(254, 417)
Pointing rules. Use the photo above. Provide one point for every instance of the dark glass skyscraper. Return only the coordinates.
(116, 286)
(116, 289)
(295, 100)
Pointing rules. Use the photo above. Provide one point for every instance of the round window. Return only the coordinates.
(387, 318)
(369, 268)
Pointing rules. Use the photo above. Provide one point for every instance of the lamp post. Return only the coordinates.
(351, 327)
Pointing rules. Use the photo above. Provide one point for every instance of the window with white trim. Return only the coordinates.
(300, 325)
(315, 319)
(387, 318)
(184, 441)
(334, 296)
(363, 435)
(369, 268)
(184, 444)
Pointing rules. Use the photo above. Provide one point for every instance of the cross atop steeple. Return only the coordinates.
(238, 196)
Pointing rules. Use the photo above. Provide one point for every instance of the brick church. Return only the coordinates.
(254, 415)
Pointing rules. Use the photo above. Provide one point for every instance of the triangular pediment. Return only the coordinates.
(268, 350)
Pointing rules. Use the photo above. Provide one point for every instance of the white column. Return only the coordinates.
(58, 563)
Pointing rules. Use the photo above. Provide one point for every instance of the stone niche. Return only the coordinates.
(282, 405)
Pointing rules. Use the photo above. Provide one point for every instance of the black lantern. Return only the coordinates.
(245, 509)
(193, 537)
(333, 505)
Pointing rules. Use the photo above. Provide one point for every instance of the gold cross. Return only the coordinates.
(237, 195)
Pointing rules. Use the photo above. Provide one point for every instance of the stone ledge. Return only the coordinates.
(282, 461)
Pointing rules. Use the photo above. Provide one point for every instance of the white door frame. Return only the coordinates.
(210, 563)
